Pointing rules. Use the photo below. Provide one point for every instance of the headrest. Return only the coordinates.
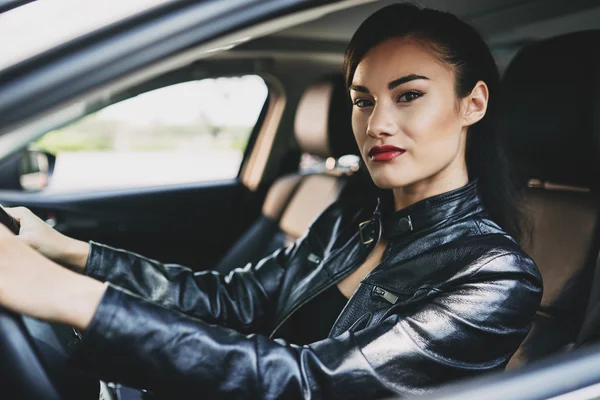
(550, 95)
(323, 125)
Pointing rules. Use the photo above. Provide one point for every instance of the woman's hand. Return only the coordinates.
(33, 285)
(48, 241)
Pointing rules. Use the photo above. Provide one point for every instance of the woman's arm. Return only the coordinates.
(34, 285)
(52, 244)
(471, 328)
(241, 300)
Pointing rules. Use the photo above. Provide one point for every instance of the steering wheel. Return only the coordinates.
(34, 361)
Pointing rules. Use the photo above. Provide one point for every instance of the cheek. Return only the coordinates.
(434, 128)
(359, 128)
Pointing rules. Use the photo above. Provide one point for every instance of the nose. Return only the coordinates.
(381, 122)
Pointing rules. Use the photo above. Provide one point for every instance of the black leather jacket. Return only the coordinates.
(452, 297)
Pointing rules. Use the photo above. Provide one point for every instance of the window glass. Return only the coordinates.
(189, 132)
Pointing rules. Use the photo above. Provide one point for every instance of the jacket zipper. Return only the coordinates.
(374, 247)
(384, 294)
(309, 298)
(325, 287)
(380, 293)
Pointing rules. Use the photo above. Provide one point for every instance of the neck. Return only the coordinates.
(444, 181)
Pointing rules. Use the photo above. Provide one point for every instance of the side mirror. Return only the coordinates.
(27, 170)
(36, 168)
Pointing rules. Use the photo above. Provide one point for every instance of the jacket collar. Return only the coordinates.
(432, 211)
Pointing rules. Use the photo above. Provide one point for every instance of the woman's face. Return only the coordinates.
(406, 117)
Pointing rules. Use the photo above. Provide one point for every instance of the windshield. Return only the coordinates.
(41, 25)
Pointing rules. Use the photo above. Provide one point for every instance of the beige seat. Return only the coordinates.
(323, 129)
(551, 132)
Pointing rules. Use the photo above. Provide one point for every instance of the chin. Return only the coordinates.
(390, 180)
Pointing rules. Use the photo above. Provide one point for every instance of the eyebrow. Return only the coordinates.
(393, 84)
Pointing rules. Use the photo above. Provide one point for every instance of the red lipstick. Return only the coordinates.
(385, 153)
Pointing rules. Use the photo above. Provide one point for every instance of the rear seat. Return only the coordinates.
(322, 128)
(549, 98)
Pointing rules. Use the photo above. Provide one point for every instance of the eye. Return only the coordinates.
(361, 103)
(407, 97)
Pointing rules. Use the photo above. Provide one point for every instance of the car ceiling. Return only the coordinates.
(506, 25)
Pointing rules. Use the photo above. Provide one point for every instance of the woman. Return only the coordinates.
(402, 288)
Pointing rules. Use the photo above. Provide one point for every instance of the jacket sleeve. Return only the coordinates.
(470, 328)
(240, 300)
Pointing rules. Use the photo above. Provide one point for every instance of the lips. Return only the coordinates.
(385, 153)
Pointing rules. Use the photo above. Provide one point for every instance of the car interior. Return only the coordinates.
(547, 54)
(321, 128)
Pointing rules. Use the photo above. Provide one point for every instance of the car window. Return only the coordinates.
(189, 132)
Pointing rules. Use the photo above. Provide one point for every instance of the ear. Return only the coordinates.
(475, 104)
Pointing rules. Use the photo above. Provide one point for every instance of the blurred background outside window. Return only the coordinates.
(189, 132)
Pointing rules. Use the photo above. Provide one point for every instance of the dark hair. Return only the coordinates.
(459, 45)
